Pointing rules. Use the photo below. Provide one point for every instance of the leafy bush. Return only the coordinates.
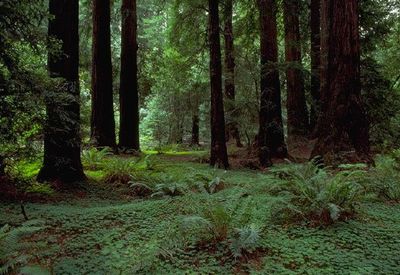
(40, 188)
(384, 178)
(11, 247)
(93, 158)
(118, 171)
(315, 194)
(245, 240)
(214, 226)
(161, 186)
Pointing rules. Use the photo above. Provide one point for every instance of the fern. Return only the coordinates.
(314, 193)
(93, 158)
(11, 247)
(384, 179)
(212, 224)
(245, 240)
(118, 171)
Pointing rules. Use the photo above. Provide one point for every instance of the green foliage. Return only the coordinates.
(212, 225)
(119, 171)
(40, 189)
(245, 240)
(316, 194)
(92, 158)
(384, 178)
(12, 248)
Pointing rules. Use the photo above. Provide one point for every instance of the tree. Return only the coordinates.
(62, 142)
(219, 155)
(271, 139)
(129, 94)
(297, 113)
(343, 123)
(102, 120)
(315, 25)
(232, 127)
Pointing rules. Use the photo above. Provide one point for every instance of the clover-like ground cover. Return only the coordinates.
(128, 235)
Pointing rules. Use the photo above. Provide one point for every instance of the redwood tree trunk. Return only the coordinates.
(271, 139)
(297, 114)
(129, 95)
(231, 125)
(219, 155)
(315, 25)
(343, 120)
(62, 141)
(195, 130)
(102, 120)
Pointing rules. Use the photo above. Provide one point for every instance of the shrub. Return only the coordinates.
(93, 158)
(315, 194)
(214, 226)
(384, 178)
(161, 186)
(40, 189)
(119, 171)
(211, 225)
(11, 247)
(245, 240)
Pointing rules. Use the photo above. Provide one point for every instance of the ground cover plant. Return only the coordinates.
(199, 137)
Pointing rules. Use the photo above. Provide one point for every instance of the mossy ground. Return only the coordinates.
(102, 231)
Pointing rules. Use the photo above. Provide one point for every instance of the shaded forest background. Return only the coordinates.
(173, 81)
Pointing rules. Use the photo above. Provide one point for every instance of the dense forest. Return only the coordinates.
(199, 137)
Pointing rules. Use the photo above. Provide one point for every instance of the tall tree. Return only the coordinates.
(232, 126)
(129, 94)
(219, 155)
(102, 120)
(271, 140)
(62, 142)
(297, 114)
(315, 26)
(343, 120)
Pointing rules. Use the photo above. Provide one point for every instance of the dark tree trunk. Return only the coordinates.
(219, 155)
(2, 166)
(129, 94)
(231, 125)
(62, 141)
(195, 130)
(102, 120)
(315, 24)
(271, 140)
(297, 120)
(343, 120)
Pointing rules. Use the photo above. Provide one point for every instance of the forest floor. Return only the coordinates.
(108, 229)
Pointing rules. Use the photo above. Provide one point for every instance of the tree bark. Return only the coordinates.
(315, 26)
(219, 155)
(195, 130)
(231, 125)
(297, 114)
(343, 121)
(271, 139)
(129, 94)
(62, 141)
(102, 120)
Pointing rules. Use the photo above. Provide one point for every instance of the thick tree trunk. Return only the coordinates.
(297, 114)
(343, 120)
(62, 141)
(315, 25)
(219, 155)
(2, 166)
(129, 94)
(231, 125)
(102, 120)
(271, 140)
